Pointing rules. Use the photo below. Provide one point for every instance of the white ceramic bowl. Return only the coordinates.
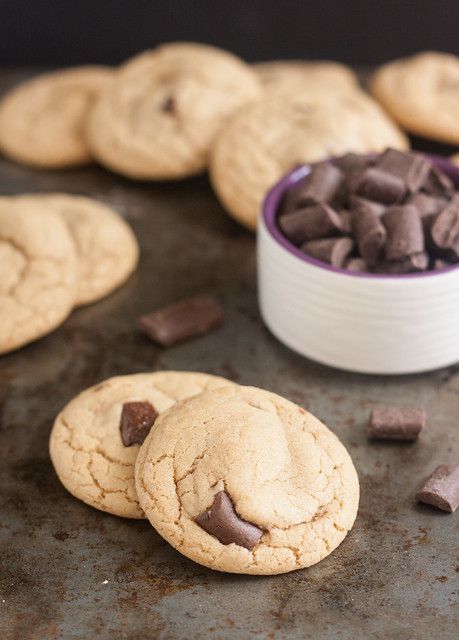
(368, 323)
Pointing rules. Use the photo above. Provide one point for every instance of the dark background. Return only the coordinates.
(48, 32)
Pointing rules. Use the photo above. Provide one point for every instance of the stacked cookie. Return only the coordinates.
(235, 478)
(181, 108)
(57, 251)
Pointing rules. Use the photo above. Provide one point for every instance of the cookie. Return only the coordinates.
(38, 273)
(159, 117)
(244, 481)
(42, 121)
(455, 158)
(421, 94)
(107, 248)
(322, 75)
(278, 132)
(95, 439)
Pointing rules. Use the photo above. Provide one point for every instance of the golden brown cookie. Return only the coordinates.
(159, 117)
(87, 444)
(421, 93)
(278, 132)
(42, 121)
(38, 273)
(107, 248)
(244, 481)
(315, 75)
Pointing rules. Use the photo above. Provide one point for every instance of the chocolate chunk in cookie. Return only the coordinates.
(137, 418)
(222, 521)
(442, 488)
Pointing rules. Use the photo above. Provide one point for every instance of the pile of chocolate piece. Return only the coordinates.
(394, 213)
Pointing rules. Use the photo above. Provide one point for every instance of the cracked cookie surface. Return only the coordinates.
(275, 134)
(85, 443)
(160, 115)
(42, 121)
(106, 246)
(38, 273)
(421, 93)
(284, 471)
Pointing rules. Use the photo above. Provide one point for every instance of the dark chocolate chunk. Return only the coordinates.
(405, 233)
(352, 163)
(346, 221)
(410, 264)
(357, 265)
(168, 106)
(137, 418)
(412, 168)
(362, 204)
(441, 264)
(444, 230)
(183, 320)
(396, 423)
(379, 186)
(442, 488)
(317, 221)
(222, 521)
(369, 233)
(333, 251)
(438, 184)
(320, 185)
(426, 205)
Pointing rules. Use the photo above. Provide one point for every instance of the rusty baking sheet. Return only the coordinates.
(68, 571)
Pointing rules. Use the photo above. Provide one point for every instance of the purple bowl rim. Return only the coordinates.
(269, 215)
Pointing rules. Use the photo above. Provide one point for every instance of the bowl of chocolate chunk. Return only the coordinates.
(358, 262)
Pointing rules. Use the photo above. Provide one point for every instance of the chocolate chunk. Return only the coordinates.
(376, 185)
(441, 264)
(183, 320)
(369, 233)
(405, 234)
(444, 230)
(442, 488)
(412, 168)
(317, 221)
(333, 251)
(362, 204)
(168, 106)
(137, 418)
(222, 521)
(352, 163)
(357, 265)
(410, 264)
(396, 423)
(346, 221)
(320, 185)
(426, 205)
(438, 184)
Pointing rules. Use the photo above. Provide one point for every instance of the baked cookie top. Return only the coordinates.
(42, 121)
(244, 481)
(422, 94)
(278, 132)
(86, 443)
(160, 115)
(106, 246)
(324, 75)
(38, 273)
